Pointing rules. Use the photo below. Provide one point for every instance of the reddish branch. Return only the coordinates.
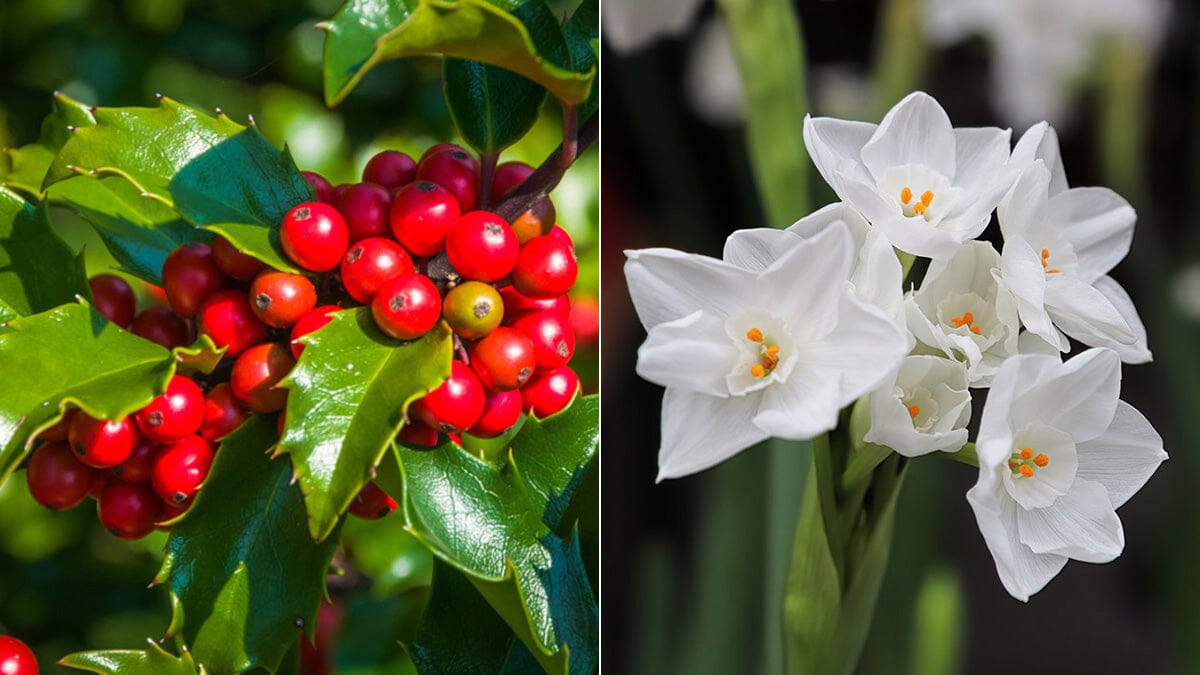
(547, 176)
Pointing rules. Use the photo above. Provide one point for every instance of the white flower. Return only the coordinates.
(876, 276)
(926, 185)
(924, 408)
(965, 312)
(1058, 453)
(746, 354)
(1057, 252)
(630, 25)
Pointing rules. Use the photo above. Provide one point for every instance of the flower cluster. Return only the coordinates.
(790, 326)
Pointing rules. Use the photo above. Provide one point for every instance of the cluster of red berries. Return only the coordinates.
(408, 242)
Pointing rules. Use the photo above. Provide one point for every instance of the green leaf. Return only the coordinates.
(582, 32)
(459, 632)
(152, 661)
(491, 107)
(38, 270)
(29, 164)
(202, 356)
(71, 354)
(556, 453)
(346, 401)
(384, 550)
(244, 575)
(365, 33)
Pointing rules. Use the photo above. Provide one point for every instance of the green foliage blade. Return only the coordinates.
(151, 661)
(459, 632)
(491, 107)
(38, 271)
(28, 164)
(582, 32)
(555, 453)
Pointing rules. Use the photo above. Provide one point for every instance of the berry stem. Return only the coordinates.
(546, 177)
(487, 175)
(570, 144)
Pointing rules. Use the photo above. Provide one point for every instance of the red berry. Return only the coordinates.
(560, 233)
(438, 148)
(99, 480)
(585, 319)
(178, 412)
(180, 469)
(370, 263)
(457, 171)
(416, 432)
(407, 306)
(365, 207)
(233, 262)
(189, 276)
(102, 443)
(171, 512)
(482, 246)
(517, 303)
(140, 464)
(455, 405)
(279, 299)
(548, 393)
(536, 220)
(422, 215)
(255, 374)
(372, 503)
(553, 341)
(161, 325)
(114, 298)
(16, 658)
(222, 413)
(507, 177)
(56, 479)
(390, 168)
(320, 186)
(545, 268)
(503, 360)
(129, 510)
(227, 318)
(501, 410)
(312, 320)
(336, 195)
(58, 432)
(314, 235)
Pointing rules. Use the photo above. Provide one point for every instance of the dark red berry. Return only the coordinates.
(422, 215)
(178, 412)
(548, 393)
(338, 191)
(56, 479)
(279, 299)
(438, 148)
(473, 309)
(365, 207)
(507, 177)
(312, 320)
(180, 469)
(129, 510)
(517, 304)
(391, 169)
(535, 221)
(227, 318)
(455, 405)
(102, 443)
(553, 341)
(138, 467)
(255, 374)
(314, 235)
(161, 325)
(189, 276)
(585, 319)
(321, 187)
(501, 410)
(171, 512)
(99, 480)
(222, 413)
(233, 262)
(545, 268)
(416, 432)
(58, 432)
(16, 658)
(372, 503)
(482, 246)
(457, 171)
(370, 263)
(504, 360)
(114, 298)
(407, 306)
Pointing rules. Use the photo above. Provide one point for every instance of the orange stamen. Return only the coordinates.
(1026, 453)
(919, 208)
(754, 335)
(905, 196)
(975, 330)
(758, 371)
(913, 411)
(1026, 470)
(926, 198)
(1041, 460)
(773, 351)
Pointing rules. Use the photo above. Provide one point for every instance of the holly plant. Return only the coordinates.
(279, 363)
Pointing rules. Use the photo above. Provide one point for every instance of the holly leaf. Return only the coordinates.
(151, 661)
(71, 354)
(28, 165)
(582, 32)
(346, 400)
(460, 632)
(38, 271)
(556, 453)
(244, 575)
(491, 107)
(202, 356)
(365, 33)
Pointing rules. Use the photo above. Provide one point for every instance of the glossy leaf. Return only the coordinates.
(245, 576)
(554, 454)
(346, 400)
(71, 354)
(365, 33)
(384, 550)
(28, 164)
(202, 356)
(151, 661)
(491, 107)
(582, 32)
(459, 632)
(38, 271)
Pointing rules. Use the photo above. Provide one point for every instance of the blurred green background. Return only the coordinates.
(65, 585)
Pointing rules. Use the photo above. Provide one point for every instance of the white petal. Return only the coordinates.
(1022, 272)
(1016, 375)
(891, 422)
(1032, 343)
(666, 285)
(692, 353)
(835, 147)
(825, 216)
(804, 405)
(878, 277)
(1137, 351)
(1022, 571)
(755, 249)
(1041, 142)
(1025, 203)
(981, 152)
(803, 286)
(911, 235)
(1086, 314)
(864, 348)
(1081, 525)
(916, 131)
(630, 25)
(1099, 225)
(1078, 397)
(700, 431)
(1124, 457)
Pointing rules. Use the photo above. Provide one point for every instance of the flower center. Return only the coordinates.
(1024, 463)
(966, 319)
(768, 353)
(917, 207)
(1046, 262)
(922, 407)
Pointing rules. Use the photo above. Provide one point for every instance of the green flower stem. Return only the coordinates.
(966, 455)
(899, 60)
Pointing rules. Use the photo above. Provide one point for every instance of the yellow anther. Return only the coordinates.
(905, 196)
(1026, 453)
(758, 371)
(1045, 255)
(773, 351)
(913, 411)
(754, 335)
(919, 208)
(1055, 271)
(926, 199)
(975, 330)
(1041, 460)
(1026, 470)
(967, 319)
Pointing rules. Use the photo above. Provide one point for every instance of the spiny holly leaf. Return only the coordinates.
(365, 33)
(71, 354)
(28, 165)
(38, 270)
(202, 356)
(346, 401)
(152, 661)
(459, 632)
(582, 33)
(554, 454)
(491, 107)
(245, 576)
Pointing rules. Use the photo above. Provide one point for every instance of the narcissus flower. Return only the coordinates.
(750, 353)
(1058, 454)
(926, 185)
(924, 408)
